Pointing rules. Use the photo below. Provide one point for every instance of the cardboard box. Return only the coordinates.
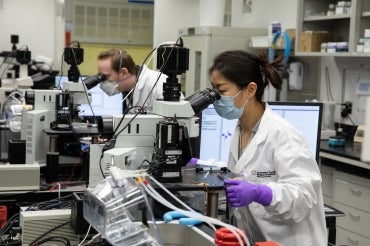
(310, 41)
(280, 43)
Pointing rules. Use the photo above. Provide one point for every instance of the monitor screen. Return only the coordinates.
(216, 132)
(215, 135)
(101, 103)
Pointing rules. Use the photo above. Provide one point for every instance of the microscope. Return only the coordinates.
(53, 129)
(162, 139)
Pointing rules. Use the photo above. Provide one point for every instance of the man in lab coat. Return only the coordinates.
(141, 85)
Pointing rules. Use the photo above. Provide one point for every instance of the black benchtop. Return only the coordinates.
(351, 152)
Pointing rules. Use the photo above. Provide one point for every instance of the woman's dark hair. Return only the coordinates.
(119, 58)
(241, 68)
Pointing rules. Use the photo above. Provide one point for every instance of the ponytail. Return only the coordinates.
(270, 70)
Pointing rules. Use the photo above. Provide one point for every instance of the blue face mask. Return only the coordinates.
(226, 108)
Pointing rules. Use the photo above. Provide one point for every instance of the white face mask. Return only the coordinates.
(110, 88)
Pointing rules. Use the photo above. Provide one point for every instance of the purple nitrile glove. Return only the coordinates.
(240, 193)
(193, 161)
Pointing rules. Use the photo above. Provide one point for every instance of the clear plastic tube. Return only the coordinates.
(203, 218)
(193, 214)
(156, 229)
(174, 197)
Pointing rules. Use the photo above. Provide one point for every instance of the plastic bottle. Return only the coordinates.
(12, 111)
(209, 162)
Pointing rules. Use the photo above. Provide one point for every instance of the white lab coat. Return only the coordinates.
(143, 87)
(279, 157)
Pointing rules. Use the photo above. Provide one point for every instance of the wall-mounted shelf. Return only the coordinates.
(336, 54)
(325, 17)
(349, 27)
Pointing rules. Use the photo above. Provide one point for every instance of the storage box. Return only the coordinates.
(310, 41)
(281, 42)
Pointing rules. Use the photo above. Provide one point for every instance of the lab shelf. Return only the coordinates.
(325, 17)
(337, 54)
(344, 27)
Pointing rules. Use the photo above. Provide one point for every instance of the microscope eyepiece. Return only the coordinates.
(202, 99)
(93, 80)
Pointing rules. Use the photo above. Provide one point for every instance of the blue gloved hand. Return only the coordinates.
(240, 193)
(183, 220)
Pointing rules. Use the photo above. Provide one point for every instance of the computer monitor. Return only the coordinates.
(216, 132)
(101, 103)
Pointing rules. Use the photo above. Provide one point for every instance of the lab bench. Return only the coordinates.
(346, 187)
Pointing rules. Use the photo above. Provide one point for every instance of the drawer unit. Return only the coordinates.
(352, 191)
(352, 196)
(348, 238)
(355, 220)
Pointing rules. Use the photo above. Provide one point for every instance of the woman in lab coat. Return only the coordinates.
(277, 196)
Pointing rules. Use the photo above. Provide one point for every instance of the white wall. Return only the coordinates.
(34, 21)
(171, 15)
(264, 11)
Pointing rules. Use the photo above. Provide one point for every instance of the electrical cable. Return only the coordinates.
(55, 239)
(100, 164)
(2, 73)
(87, 234)
(152, 167)
(328, 85)
(9, 223)
(1, 64)
(35, 242)
(93, 239)
(61, 69)
(88, 100)
(54, 203)
(349, 117)
(142, 163)
(4, 62)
